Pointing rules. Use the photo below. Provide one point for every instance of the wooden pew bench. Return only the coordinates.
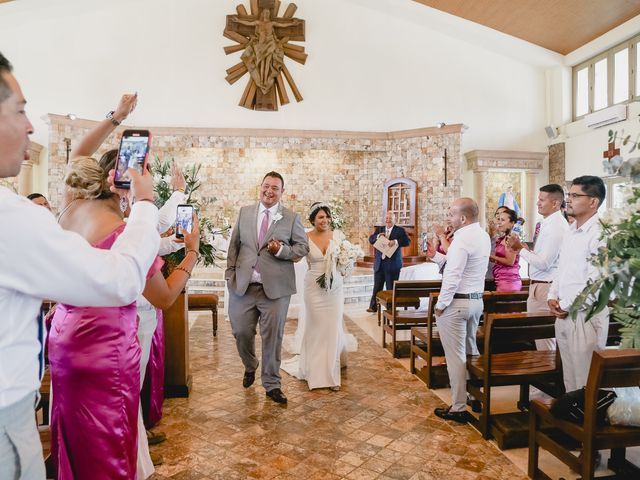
(609, 368)
(205, 301)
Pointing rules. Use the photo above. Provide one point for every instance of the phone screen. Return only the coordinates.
(424, 241)
(184, 220)
(134, 148)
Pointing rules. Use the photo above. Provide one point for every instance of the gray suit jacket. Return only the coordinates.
(278, 276)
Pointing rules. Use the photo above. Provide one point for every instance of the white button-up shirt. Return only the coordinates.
(543, 260)
(467, 259)
(39, 260)
(574, 268)
(255, 276)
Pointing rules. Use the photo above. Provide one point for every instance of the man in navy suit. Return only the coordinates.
(387, 269)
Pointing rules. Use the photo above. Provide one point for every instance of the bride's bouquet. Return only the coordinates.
(341, 259)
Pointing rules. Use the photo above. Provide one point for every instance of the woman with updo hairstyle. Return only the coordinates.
(324, 341)
(506, 262)
(94, 352)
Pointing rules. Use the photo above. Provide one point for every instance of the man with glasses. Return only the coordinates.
(577, 339)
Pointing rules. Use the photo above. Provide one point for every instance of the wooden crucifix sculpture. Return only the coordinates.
(265, 38)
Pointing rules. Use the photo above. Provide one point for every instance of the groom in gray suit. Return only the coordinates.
(267, 239)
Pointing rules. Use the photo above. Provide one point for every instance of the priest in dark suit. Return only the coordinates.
(387, 269)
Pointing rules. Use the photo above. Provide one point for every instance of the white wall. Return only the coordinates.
(374, 65)
(583, 146)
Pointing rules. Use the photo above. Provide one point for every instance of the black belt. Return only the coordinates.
(253, 284)
(531, 282)
(470, 296)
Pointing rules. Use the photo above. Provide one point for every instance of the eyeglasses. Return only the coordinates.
(573, 196)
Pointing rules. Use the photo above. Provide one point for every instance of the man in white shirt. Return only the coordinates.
(41, 261)
(577, 339)
(460, 303)
(543, 259)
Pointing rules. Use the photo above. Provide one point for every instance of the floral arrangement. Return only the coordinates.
(161, 171)
(618, 265)
(340, 259)
(337, 214)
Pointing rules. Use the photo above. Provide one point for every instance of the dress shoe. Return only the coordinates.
(154, 438)
(156, 458)
(371, 310)
(475, 405)
(249, 378)
(445, 414)
(277, 396)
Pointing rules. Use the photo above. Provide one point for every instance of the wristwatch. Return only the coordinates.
(113, 120)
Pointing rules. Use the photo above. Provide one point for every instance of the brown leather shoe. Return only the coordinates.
(154, 438)
(446, 414)
(371, 310)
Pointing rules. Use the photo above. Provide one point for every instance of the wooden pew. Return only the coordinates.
(425, 341)
(205, 301)
(405, 292)
(609, 368)
(512, 368)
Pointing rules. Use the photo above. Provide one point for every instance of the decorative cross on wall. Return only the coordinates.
(265, 38)
(611, 151)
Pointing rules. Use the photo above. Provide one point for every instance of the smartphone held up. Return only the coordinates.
(184, 220)
(133, 153)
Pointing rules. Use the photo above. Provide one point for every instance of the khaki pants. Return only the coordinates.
(537, 305)
(20, 447)
(457, 326)
(577, 340)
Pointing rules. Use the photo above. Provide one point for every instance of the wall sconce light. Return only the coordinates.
(71, 116)
(440, 124)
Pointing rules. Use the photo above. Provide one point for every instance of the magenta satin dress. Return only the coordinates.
(507, 277)
(94, 357)
(153, 388)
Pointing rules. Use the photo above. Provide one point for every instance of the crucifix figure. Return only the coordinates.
(611, 151)
(265, 37)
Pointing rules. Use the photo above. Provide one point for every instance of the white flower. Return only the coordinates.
(276, 217)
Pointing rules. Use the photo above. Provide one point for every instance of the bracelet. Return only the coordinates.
(194, 251)
(184, 270)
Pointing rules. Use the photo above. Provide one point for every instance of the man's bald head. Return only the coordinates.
(468, 207)
(463, 211)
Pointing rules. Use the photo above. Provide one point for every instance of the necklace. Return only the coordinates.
(64, 210)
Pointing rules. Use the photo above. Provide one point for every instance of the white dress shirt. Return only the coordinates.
(255, 276)
(575, 268)
(467, 259)
(543, 260)
(39, 260)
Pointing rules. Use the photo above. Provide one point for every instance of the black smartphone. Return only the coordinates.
(184, 220)
(133, 153)
(424, 241)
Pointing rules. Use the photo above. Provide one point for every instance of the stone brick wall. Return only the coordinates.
(315, 165)
(557, 172)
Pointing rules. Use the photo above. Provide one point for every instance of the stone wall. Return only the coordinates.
(352, 166)
(557, 172)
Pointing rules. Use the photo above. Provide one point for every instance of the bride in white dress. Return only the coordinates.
(324, 342)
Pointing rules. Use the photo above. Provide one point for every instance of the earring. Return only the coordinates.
(124, 204)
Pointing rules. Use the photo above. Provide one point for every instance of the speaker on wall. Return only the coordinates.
(552, 132)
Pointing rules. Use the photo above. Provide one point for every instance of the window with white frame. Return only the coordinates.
(607, 79)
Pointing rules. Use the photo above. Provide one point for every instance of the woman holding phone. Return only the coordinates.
(94, 351)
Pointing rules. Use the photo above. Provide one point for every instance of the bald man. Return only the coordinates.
(460, 303)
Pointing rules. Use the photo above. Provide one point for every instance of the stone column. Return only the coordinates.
(479, 192)
(531, 199)
(25, 178)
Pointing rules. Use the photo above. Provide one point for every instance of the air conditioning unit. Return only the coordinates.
(606, 116)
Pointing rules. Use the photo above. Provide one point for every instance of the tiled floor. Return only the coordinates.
(380, 425)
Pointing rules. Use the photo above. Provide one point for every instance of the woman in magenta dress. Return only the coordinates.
(506, 263)
(94, 352)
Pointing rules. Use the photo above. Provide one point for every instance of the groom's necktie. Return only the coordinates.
(264, 226)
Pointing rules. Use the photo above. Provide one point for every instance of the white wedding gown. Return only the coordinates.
(324, 341)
